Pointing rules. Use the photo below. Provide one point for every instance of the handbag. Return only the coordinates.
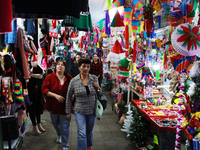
(101, 103)
(98, 109)
(102, 99)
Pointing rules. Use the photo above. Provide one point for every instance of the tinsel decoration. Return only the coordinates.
(181, 97)
(107, 23)
(148, 18)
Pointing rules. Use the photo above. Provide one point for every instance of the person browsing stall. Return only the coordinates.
(84, 87)
(55, 89)
(97, 68)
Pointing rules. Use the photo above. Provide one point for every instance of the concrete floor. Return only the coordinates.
(107, 134)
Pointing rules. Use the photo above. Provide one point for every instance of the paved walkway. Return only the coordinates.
(107, 134)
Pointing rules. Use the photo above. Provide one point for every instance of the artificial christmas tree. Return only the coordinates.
(195, 76)
(138, 128)
(128, 121)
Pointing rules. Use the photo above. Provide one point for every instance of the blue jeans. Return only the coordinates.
(85, 125)
(62, 127)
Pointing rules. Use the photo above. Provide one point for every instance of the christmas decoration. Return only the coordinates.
(138, 128)
(116, 53)
(128, 121)
(175, 17)
(181, 63)
(128, 5)
(148, 18)
(186, 39)
(195, 76)
(107, 23)
(190, 13)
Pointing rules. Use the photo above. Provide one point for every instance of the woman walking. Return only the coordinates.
(84, 87)
(55, 88)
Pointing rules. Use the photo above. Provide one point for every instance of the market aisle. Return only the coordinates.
(107, 134)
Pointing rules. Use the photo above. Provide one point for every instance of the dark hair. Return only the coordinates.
(95, 54)
(65, 64)
(84, 61)
(79, 54)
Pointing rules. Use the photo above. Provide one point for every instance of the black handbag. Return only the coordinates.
(10, 127)
(10, 131)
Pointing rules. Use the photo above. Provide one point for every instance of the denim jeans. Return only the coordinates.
(62, 127)
(85, 125)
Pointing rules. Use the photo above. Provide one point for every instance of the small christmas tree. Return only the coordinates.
(138, 128)
(196, 97)
(195, 76)
(128, 121)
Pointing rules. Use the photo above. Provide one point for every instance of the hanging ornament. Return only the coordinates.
(186, 39)
(126, 35)
(190, 13)
(148, 18)
(175, 17)
(107, 23)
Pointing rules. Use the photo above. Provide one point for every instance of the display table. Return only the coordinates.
(164, 136)
(147, 113)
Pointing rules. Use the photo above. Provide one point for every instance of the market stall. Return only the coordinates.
(149, 51)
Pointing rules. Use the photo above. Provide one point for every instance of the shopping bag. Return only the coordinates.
(98, 109)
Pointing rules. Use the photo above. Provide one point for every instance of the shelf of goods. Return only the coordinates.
(156, 93)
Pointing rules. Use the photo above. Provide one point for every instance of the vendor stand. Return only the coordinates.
(158, 68)
(164, 121)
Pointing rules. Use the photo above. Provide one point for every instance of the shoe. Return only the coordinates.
(89, 148)
(59, 139)
(65, 148)
(36, 130)
(40, 127)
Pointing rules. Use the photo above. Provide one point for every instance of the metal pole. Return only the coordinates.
(129, 88)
